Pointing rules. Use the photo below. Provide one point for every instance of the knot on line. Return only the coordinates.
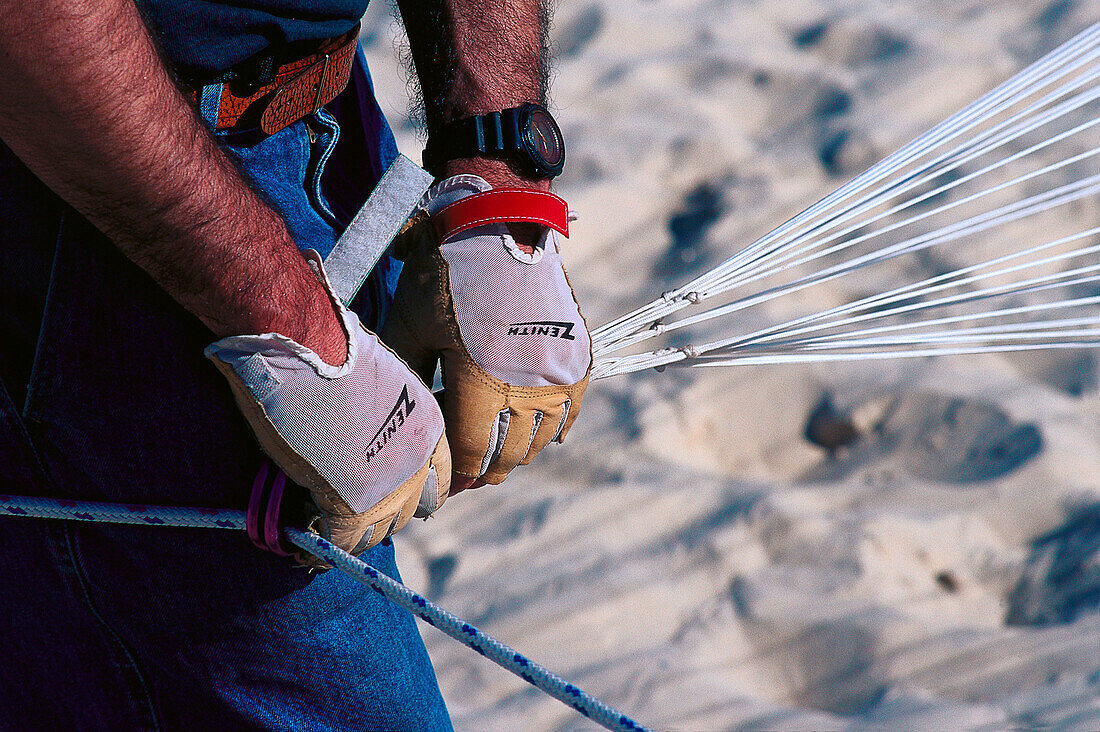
(672, 296)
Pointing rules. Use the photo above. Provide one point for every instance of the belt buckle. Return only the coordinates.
(317, 104)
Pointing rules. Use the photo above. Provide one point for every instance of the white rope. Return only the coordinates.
(817, 252)
(791, 358)
(1074, 191)
(397, 593)
(1023, 286)
(977, 224)
(941, 302)
(1025, 83)
(893, 190)
(849, 230)
(936, 284)
(931, 285)
(604, 347)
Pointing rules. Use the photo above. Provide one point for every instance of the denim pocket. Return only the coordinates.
(286, 169)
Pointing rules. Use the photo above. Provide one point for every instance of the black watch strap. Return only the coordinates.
(494, 135)
(491, 135)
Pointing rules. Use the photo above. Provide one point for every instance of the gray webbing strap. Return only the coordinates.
(374, 227)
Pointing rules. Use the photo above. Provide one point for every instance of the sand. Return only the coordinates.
(689, 555)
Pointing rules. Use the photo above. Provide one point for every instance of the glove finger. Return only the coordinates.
(431, 478)
(361, 531)
(521, 431)
(461, 483)
(391, 523)
(548, 425)
(572, 410)
(438, 484)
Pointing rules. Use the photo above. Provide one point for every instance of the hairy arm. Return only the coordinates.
(478, 56)
(91, 109)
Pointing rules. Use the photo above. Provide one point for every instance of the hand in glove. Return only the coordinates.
(366, 438)
(516, 352)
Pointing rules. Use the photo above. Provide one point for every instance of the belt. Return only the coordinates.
(291, 91)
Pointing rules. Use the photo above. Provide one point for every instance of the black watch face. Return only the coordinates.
(545, 139)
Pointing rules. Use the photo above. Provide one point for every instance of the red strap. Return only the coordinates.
(502, 205)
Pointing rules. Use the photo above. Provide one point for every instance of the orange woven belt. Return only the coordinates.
(298, 88)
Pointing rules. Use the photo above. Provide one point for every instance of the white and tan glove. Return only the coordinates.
(516, 352)
(366, 438)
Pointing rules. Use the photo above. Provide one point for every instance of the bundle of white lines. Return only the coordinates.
(995, 194)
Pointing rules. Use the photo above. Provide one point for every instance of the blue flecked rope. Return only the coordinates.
(391, 589)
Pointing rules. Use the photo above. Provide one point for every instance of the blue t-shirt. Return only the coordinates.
(203, 38)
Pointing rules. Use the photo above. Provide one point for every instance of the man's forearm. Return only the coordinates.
(478, 56)
(90, 108)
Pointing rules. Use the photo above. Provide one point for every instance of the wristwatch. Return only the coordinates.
(526, 135)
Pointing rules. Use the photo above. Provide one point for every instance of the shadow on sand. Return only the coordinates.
(1061, 579)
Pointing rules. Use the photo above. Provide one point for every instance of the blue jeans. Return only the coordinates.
(105, 395)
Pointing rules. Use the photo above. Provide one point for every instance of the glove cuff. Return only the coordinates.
(277, 344)
(499, 206)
